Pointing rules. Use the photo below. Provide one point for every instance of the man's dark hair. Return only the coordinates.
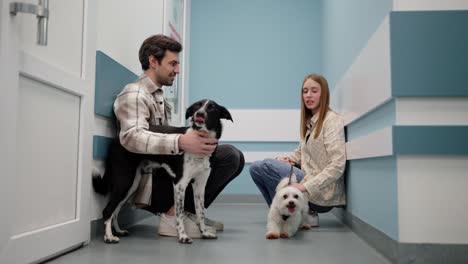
(157, 45)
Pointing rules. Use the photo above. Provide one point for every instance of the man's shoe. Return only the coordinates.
(219, 226)
(313, 218)
(167, 227)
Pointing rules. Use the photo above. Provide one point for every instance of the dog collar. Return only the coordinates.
(285, 217)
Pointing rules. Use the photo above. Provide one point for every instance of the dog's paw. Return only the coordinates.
(284, 235)
(185, 240)
(272, 235)
(209, 235)
(111, 239)
(122, 233)
(306, 226)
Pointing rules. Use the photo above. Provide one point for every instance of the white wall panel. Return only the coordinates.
(432, 111)
(262, 125)
(367, 83)
(104, 127)
(124, 24)
(377, 144)
(432, 199)
(251, 156)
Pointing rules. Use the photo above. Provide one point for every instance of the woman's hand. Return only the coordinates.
(286, 159)
(299, 186)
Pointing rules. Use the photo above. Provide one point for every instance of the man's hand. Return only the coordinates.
(197, 142)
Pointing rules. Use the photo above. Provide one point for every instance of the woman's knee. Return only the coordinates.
(256, 170)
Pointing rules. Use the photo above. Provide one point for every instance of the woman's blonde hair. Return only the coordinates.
(324, 104)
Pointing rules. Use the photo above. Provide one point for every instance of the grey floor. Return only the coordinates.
(242, 241)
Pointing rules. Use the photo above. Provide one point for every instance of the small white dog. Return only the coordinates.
(288, 211)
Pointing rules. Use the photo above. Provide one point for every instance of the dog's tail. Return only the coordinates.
(99, 183)
(148, 166)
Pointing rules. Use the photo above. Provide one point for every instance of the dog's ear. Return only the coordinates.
(190, 111)
(283, 183)
(293, 178)
(224, 113)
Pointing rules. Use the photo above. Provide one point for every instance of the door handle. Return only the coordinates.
(42, 13)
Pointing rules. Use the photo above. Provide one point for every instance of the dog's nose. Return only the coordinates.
(291, 203)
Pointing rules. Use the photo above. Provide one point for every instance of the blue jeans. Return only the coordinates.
(267, 174)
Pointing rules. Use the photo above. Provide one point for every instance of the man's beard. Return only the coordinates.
(167, 81)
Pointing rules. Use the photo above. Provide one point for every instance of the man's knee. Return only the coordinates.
(228, 154)
(229, 160)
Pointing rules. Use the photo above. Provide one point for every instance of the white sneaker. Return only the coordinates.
(313, 218)
(219, 226)
(167, 227)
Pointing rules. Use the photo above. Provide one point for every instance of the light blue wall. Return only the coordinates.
(253, 54)
(347, 26)
(372, 193)
(371, 183)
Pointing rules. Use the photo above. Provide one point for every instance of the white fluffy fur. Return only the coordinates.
(290, 203)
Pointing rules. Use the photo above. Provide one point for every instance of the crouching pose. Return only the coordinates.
(140, 109)
(319, 159)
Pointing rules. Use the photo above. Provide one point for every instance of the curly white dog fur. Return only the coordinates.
(288, 211)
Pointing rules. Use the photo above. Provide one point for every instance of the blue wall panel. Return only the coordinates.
(430, 140)
(429, 53)
(101, 147)
(111, 78)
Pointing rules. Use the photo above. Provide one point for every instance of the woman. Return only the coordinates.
(320, 158)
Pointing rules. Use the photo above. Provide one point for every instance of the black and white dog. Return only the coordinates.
(187, 168)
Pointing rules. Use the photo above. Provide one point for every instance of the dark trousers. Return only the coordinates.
(227, 163)
(320, 209)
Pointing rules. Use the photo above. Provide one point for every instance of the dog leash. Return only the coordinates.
(290, 175)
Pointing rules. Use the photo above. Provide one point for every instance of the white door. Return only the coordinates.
(46, 114)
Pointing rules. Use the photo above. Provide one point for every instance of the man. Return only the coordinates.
(141, 107)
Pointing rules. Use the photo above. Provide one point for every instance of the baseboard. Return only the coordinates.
(398, 252)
